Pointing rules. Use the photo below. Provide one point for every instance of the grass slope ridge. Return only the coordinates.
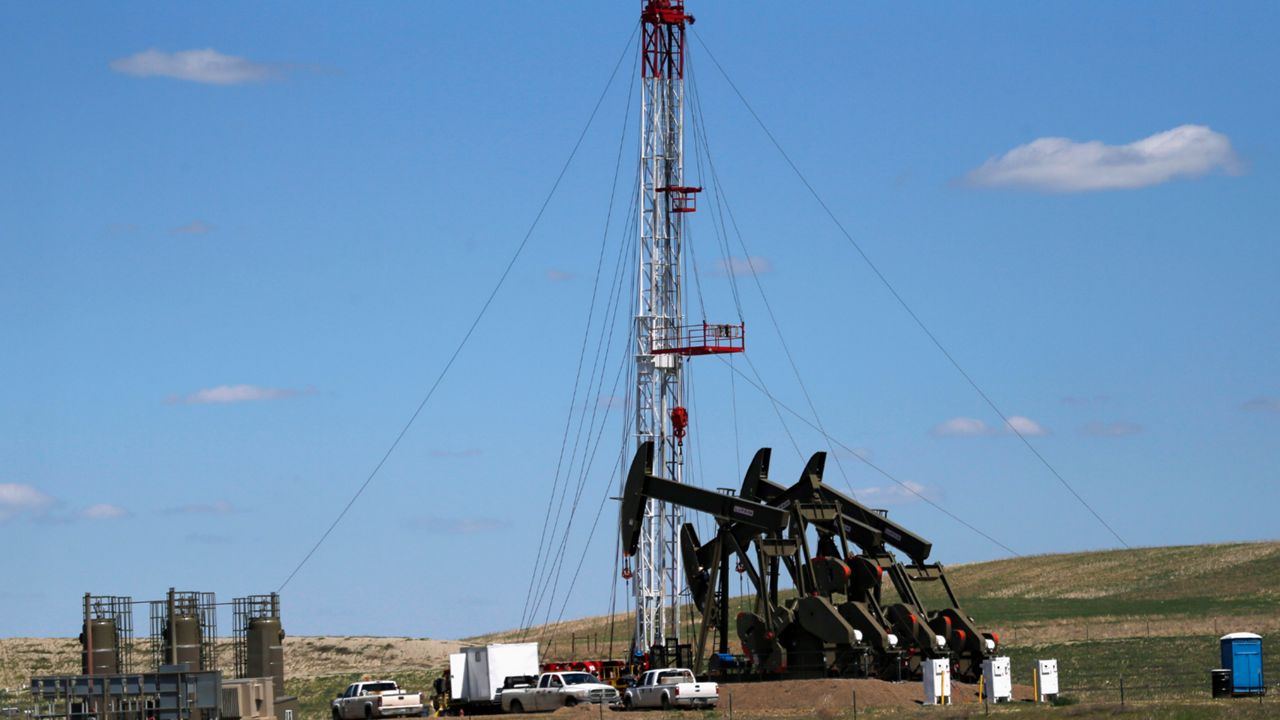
(1117, 593)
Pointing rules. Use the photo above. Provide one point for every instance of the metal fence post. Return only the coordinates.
(855, 704)
(1121, 691)
(730, 705)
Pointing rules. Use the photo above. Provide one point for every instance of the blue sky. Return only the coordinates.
(238, 242)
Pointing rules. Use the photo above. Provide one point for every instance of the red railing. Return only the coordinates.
(701, 339)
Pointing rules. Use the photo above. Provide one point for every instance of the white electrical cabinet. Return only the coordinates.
(477, 673)
(1044, 678)
(937, 681)
(996, 679)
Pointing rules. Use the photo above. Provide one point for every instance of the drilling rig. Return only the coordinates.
(663, 342)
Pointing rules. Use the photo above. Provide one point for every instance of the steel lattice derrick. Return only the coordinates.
(659, 579)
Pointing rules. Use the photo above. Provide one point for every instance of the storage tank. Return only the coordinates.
(183, 641)
(265, 637)
(100, 644)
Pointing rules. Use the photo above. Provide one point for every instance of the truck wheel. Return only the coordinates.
(626, 702)
(368, 712)
(666, 701)
(516, 707)
(337, 715)
(570, 702)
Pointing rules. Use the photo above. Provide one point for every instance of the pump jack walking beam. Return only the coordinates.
(642, 485)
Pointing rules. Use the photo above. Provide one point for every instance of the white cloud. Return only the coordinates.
(884, 495)
(103, 511)
(16, 498)
(559, 275)
(1263, 403)
(743, 266)
(974, 426)
(1112, 429)
(202, 66)
(236, 393)
(199, 227)
(1055, 164)
(1025, 426)
(962, 426)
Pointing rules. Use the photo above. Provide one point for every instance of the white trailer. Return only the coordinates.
(477, 674)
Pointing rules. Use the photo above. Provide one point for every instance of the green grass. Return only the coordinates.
(1169, 583)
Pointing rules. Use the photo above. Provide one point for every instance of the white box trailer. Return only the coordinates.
(476, 674)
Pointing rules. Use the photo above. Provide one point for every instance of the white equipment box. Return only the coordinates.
(476, 674)
(937, 681)
(996, 680)
(1044, 678)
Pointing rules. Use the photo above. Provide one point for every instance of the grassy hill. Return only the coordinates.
(1143, 592)
(1149, 614)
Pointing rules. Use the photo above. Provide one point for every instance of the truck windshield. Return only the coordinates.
(578, 678)
(379, 687)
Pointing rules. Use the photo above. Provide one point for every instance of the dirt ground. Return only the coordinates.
(803, 697)
(319, 656)
(814, 698)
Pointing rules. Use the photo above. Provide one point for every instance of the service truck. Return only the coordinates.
(555, 690)
(376, 699)
(670, 688)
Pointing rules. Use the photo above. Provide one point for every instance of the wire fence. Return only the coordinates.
(1119, 689)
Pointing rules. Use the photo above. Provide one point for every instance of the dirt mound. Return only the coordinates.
(817, 698)
(807, 696)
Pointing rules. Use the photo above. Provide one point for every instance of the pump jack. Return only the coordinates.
(837, 623)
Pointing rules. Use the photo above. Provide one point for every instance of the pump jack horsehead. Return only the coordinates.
(838, 623)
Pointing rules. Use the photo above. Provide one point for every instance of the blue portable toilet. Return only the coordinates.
(1242, 655)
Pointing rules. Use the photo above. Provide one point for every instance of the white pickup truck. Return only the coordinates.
(376, 699)
(670, 688)
(555, 690)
